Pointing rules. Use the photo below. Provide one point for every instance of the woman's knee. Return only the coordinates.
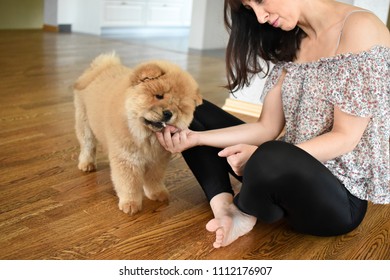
(266, 160)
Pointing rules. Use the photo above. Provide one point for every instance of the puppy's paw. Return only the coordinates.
(130, 207)
(87, 166)
(160, 195)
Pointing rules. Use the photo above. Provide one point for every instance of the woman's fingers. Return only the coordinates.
(228, 151)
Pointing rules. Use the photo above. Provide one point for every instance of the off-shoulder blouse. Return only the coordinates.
(358, 84)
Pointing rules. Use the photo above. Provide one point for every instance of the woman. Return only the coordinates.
(329, 89)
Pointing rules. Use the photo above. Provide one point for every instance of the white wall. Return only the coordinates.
(251, 93)
(88, 16)
(207, 26)
(83, 15)
(379, 7)
(50, 8)
(67, 10)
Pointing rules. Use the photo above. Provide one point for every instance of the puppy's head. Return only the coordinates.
(162, 93)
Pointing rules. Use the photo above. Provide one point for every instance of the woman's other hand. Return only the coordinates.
(237, 156)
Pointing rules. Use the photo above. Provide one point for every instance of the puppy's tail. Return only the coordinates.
(98, 65)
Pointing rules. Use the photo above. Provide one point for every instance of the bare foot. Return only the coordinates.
(229, 223)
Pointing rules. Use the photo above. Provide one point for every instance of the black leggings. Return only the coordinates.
(280, 181)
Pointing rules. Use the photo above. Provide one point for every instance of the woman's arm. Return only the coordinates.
(360, 33)
(345, 135)
(268, 127)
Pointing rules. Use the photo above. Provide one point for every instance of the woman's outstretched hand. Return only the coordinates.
(175, 140)
(237, 156)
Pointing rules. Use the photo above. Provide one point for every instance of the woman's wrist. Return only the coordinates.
(196, 135)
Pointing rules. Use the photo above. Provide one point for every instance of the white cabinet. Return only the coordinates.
(165, 13)
(146, 13)
(124, 13)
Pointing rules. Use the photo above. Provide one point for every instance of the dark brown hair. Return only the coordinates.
(252, 45)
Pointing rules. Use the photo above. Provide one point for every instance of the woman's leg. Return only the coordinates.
(210, 170)
(283, 181)
(212, 173)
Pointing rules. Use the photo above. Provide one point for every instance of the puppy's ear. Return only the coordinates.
(146, 72)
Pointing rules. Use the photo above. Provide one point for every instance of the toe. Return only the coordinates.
(212, 225)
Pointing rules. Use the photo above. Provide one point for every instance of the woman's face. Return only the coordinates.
(277, 13)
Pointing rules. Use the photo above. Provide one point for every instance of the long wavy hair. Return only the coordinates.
(252, 45)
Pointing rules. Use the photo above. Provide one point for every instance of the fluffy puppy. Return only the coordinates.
(122, 108)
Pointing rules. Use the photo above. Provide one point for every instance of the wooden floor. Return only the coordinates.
(51, 210)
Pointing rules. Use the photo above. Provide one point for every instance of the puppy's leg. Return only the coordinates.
(128, 182)
(154, 186)
(85, 136)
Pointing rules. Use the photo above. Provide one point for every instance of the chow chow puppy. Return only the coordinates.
(122, 108)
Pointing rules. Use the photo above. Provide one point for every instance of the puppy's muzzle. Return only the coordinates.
(159, 125)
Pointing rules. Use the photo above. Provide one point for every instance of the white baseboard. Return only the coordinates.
(242, 107)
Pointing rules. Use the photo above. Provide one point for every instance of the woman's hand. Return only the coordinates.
(175, 140)
(237, 156)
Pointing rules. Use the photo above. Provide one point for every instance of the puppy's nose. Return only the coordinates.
(167, 115)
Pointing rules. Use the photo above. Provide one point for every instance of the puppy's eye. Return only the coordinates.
(159, 96)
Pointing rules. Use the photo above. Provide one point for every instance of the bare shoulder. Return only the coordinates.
(362, 31)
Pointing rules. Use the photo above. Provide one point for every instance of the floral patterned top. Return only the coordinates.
(358, 84)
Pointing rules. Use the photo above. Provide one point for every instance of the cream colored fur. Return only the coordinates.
(122, 108)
